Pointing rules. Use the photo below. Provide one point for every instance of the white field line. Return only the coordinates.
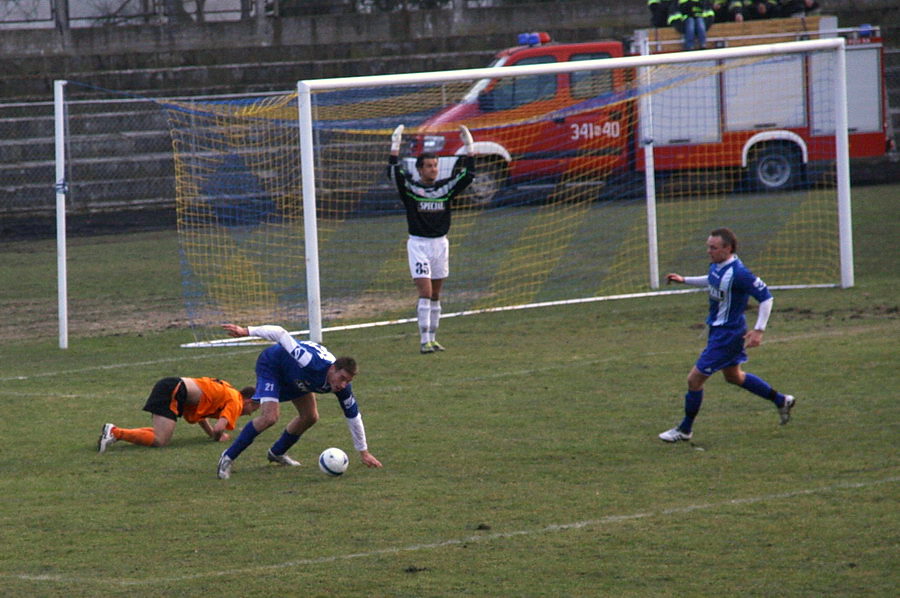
(218, 353)
(548, 529)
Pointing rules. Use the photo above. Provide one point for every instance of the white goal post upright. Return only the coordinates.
(310, 226)
(60, 186)
(845, 221)
(307, 87)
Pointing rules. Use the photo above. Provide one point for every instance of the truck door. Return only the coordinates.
(518, 106)
(595, 130)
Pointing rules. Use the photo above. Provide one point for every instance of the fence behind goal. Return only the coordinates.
(562, 208)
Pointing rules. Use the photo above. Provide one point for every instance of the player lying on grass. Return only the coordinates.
(195, 400)
(730, 284)
(295, 371)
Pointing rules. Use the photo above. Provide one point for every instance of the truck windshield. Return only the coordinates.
(479, 86)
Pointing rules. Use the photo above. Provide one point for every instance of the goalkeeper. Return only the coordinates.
(428, 202)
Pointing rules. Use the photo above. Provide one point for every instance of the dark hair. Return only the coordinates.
(348, 364)
(728, 237)
(425, 156)
(247, 392)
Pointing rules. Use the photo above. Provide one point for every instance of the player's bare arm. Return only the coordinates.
(235, 330)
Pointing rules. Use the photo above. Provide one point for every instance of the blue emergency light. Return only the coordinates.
(534, 38)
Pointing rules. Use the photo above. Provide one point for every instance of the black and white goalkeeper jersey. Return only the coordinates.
(428, 206)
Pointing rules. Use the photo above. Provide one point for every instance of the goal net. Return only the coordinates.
(594, 178)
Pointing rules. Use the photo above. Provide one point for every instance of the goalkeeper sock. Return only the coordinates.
(761, 388)
(244, 439)
(142, 436)
(692, 401)
(423, 313)
(435, 318)
(284, 444)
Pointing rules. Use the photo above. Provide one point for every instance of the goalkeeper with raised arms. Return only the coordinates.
(428, 202)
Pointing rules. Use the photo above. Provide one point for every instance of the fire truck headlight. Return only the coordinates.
(433, 143)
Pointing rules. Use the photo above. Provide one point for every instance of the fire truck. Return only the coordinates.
(772, 143)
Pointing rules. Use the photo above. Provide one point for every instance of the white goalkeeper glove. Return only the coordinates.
(396, 139)
(466, 137)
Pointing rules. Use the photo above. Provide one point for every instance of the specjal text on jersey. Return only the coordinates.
(430, 206)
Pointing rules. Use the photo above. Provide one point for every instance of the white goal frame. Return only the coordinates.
(307, 87)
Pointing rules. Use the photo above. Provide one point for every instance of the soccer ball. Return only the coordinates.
(333, 461)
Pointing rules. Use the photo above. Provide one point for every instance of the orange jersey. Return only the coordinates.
(218, 399)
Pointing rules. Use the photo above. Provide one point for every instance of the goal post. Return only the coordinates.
(590, 175)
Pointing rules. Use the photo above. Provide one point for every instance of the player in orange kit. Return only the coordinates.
(195, 400)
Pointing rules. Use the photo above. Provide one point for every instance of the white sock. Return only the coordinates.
(435, 318)
(423, 314)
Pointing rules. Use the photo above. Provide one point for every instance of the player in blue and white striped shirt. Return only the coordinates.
(295, 371)
(730, 284)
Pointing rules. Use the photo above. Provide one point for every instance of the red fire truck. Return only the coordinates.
(772, 142)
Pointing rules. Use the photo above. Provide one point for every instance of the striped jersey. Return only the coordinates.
(303, 363)
(428, 206)
(730, 285)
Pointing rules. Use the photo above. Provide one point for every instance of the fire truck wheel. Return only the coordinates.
(776, 167)
(490, 176)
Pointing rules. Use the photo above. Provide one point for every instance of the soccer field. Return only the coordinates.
(523, 461)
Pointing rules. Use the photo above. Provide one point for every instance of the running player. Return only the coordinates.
(730, 285)
(295, 371)
(428, 202)
(195, 400)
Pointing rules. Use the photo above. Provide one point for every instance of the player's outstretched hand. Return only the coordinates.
(466, 137)
(670, 278)
(235, 330)
(396, 139)
(369, 459)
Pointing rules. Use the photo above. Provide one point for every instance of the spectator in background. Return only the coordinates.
(799, 8)
(764, 9)
(729, 10)
(659, 12)
(692, 18)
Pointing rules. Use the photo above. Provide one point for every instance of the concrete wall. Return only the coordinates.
(326, 32)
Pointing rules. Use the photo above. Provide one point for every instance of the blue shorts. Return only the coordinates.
(724, 348)
(270, 385)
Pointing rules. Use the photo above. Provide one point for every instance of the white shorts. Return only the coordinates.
(428, 257)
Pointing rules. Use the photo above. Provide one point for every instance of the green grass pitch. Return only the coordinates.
(523, 461)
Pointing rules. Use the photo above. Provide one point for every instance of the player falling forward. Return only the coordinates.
(195, 400)
(428, 202)
(730, 285)
(295, 371)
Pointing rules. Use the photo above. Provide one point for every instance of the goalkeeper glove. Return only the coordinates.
(396, 138)
(466, 137)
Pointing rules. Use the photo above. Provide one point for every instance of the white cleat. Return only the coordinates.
(224, 468)
(785, 411)
(283, 459)
(674, 435)
(106, 438)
